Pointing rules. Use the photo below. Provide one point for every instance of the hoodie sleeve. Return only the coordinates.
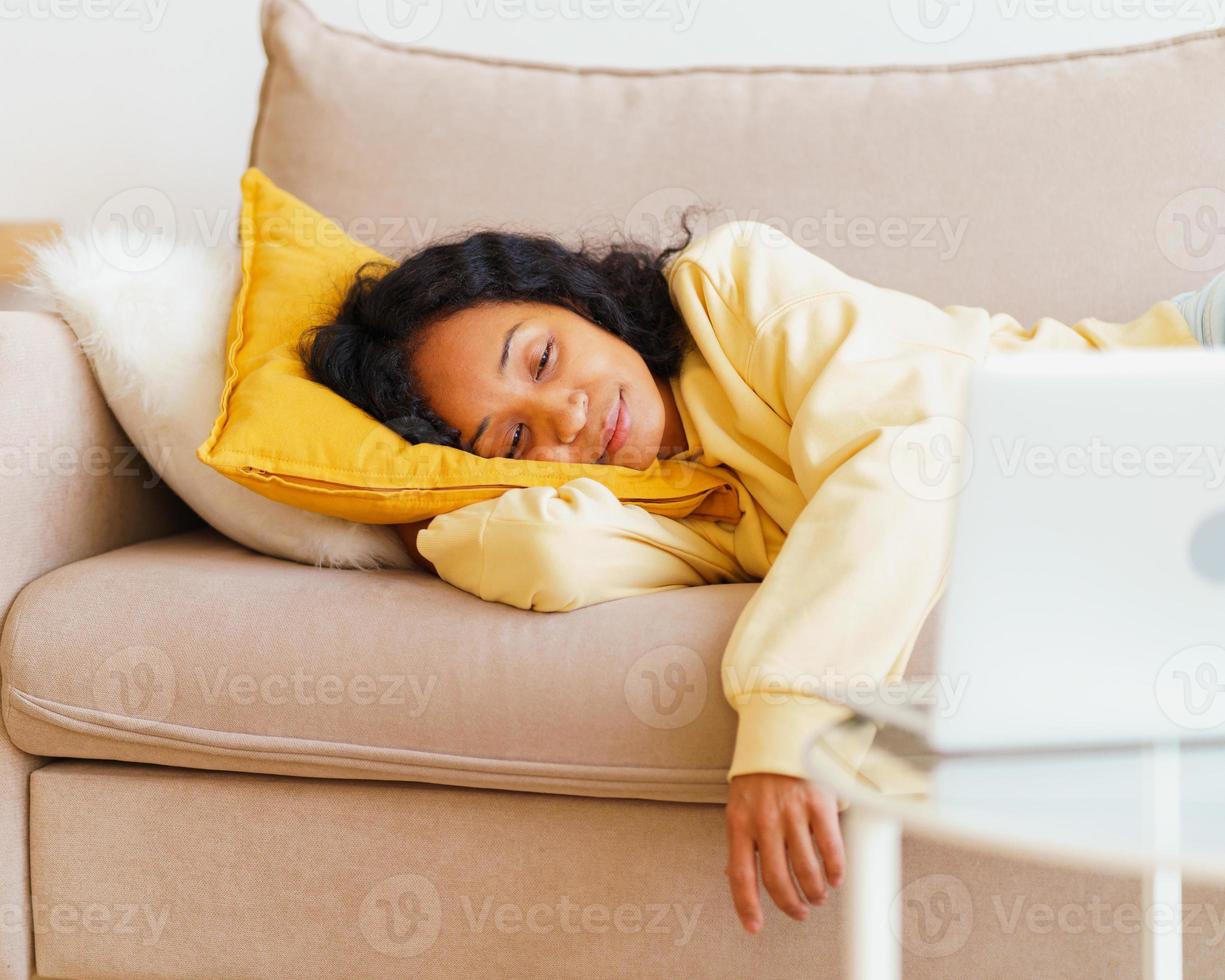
(862, 377)
(555, 549)
(841, 607)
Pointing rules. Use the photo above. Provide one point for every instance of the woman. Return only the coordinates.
(738, 349)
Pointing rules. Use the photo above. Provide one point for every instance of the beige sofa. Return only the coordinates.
(327, 773)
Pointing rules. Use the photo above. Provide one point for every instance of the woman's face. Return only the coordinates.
(536, 381)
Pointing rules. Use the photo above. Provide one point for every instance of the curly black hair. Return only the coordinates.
(364, 353)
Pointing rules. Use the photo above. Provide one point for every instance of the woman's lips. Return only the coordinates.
(621, 428)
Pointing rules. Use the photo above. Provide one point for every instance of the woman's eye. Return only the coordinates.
(544, 359)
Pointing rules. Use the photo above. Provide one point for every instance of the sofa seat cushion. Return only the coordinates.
(194, 651)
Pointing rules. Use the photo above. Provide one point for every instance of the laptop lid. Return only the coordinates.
(1086, 597)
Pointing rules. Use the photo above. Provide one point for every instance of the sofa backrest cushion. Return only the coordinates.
(1068, 185)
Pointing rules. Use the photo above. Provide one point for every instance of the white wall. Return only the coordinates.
(101, 95)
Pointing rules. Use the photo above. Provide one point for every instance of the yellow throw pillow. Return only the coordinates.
(296, 441)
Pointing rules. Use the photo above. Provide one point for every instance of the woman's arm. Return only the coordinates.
(843, 380)
(848, 382)
(555, 549)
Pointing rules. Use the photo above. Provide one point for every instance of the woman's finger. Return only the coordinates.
(803, 857)
(775, 870)
(742, 873)
(823, 814)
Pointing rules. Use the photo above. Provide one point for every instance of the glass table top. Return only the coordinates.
(1132, 807)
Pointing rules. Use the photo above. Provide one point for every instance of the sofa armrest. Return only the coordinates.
(71, 483)
(71, 486)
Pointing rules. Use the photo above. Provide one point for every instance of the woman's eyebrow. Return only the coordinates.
(506, 339)
(506, 349)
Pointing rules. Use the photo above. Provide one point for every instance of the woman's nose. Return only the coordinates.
(571, 417)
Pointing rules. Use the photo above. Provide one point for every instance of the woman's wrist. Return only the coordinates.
(408, 534)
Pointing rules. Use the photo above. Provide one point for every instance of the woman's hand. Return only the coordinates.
(408, 534)
(779, 817)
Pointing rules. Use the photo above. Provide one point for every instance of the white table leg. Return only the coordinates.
(1162, 946)
(873, 948)
(1162, 902)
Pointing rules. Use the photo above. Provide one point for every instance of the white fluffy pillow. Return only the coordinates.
(156, 342)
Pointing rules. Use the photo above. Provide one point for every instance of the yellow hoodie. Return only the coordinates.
(803, 379)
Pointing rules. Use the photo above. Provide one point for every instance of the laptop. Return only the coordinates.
(1085, 604)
